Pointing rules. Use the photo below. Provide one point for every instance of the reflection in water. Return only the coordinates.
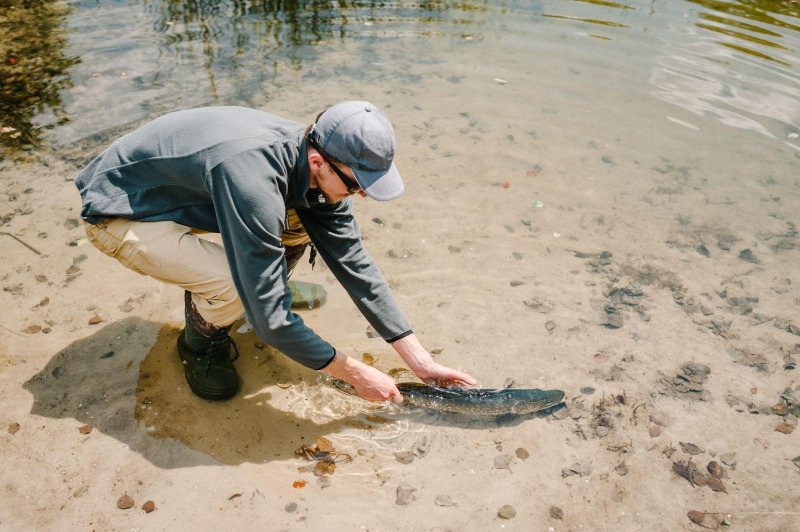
(32, 69)
(731, 60)
(742, 73)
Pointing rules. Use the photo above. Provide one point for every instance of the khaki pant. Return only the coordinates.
(176, 255)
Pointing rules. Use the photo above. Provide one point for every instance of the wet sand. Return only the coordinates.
(659, 291)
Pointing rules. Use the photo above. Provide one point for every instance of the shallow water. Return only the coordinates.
(76, 69)
(598, 195)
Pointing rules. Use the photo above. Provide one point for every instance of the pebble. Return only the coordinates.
(506, 512)
(550, 325)
(655, 431)
(556, 512)
(747, 256)
(444, 500)
(13, 428)
(522, 453)
(125, 502)
(587, 390)
(405, 494)
(149, 506)
(502, 461)
(291, 507)
(691, 448)
(404, 457)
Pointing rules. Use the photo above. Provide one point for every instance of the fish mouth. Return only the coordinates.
(538, 400)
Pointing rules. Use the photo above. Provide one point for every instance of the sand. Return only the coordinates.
(661, 297)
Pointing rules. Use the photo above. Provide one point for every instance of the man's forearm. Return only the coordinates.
(413, 354)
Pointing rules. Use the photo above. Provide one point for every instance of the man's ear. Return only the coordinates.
(315, 160)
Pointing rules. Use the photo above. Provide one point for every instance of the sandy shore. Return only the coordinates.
(666, 306)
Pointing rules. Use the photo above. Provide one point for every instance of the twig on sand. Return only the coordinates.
(9, 330)
(15, 237)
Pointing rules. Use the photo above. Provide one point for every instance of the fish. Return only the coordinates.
(473, 401)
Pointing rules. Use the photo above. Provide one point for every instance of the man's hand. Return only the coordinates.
(421, 363)
(369, 383)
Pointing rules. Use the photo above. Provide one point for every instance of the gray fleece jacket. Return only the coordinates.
(236, 171)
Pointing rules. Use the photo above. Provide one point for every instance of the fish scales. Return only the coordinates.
(479, 401)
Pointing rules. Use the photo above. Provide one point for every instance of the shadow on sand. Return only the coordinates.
(127, 387)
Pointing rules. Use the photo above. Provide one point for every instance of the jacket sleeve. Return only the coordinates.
(248, 201)
(335, 233)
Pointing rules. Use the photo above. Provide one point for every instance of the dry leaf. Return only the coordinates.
(696, 517)
(716, 484)
(324, 467)
(785, 428)
(149, 506)
(13, 428)
(324, 444)
(299, 484)
(715, 469)
(86, 429)
(125, 502)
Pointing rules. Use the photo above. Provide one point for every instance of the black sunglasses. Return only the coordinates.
(352, 186)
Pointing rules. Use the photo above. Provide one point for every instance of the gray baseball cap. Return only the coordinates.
(359, 135)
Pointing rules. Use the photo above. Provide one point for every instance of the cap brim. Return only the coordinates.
(382, 185)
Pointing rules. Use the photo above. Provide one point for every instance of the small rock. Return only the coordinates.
(291, 507)
(556, 512)
(550, 325)
(506, 512)
(405, 494)
(149, 506)
(696, 517)
(654, 430)
(502, 461)
(86, 429)
(404, 457)
(522, 453)
(747, 256)
(785, 428)
(587, 390)
(691, 448)
(125, 502)
(444, 500)
(703, 250)
(13, 428)
(94, 320)
(582, 470)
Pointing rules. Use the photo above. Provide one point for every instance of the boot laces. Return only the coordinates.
(219, 349)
